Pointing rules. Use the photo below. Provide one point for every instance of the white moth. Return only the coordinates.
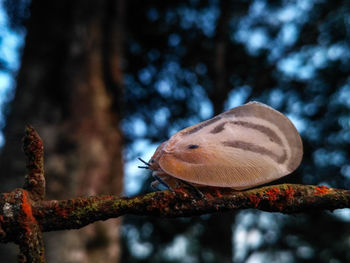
(249, 145)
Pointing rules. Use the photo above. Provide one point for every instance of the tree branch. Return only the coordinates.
(16, 220)
(24, 213)
(284, 198)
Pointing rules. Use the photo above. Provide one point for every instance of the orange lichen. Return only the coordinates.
(208, 196)
(254, 199)
(182, 191)
(272, 194)
(218, 194)
(27, 207)
(289, 192)
(28, 220)
(321, 190)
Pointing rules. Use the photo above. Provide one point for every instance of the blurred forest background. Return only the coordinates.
(105, 82)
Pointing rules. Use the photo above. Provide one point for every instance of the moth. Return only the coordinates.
(244, 147)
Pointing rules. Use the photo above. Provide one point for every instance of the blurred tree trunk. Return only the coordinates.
(218, 234)
(222, 85)
(69, 74)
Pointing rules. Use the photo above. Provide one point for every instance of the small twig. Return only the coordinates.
(34, 151)
(28, 236)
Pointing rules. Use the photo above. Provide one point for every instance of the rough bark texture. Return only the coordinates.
(283, 198)
(19, 213)
(70, 67)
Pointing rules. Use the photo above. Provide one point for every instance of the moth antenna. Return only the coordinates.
(146, 163)
(143, 167)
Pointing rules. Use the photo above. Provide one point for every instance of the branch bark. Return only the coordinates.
(17, 222)
(75, 213)
(24, 213)
(285, 198)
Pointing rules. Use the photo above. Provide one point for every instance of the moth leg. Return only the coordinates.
(198, 192)
(160, 181)
(155, 185)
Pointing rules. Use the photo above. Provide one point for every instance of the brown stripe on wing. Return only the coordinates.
(218, 128)
(262, 111)
(246, 146)
(261, 128)
(201, 125)
(255, 110)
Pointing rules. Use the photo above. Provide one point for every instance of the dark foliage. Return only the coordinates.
(183, 53)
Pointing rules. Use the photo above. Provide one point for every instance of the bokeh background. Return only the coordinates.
(105, 82)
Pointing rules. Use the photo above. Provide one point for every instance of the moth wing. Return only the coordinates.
(278, 122)
(234, 168)
(247, 146)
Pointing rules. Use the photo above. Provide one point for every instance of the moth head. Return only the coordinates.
(182, 142)
(154, 161)
(187, 149)
(154, 164)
